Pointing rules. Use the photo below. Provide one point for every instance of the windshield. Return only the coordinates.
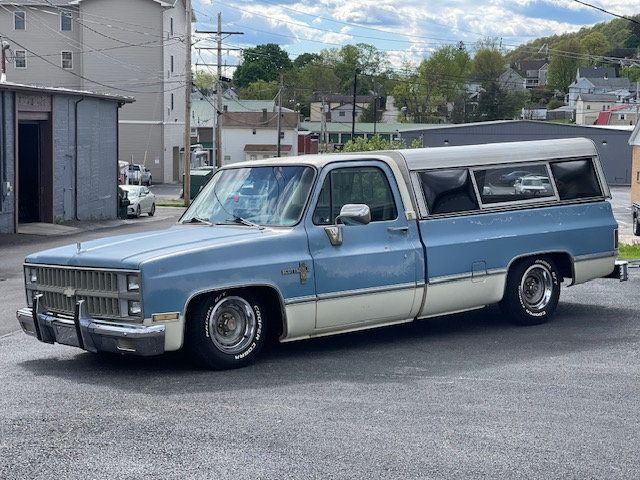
(273, 196)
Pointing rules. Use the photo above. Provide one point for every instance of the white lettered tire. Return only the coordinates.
(532, 291)
(226, 330)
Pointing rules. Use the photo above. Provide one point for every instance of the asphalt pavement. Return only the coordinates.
(461, 396)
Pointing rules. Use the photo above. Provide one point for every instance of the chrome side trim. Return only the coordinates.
(464, 276)
(296, 300)
(594, 256)
(366, 291)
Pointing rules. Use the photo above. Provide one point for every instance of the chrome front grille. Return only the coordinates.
(103, 291)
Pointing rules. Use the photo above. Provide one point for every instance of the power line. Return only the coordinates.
(632, 20)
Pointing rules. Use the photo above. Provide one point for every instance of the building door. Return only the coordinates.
(35, 203)
(176, 164)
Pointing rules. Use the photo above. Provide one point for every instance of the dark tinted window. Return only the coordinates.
(576, 179)
(366, 185)
(513, 183)
(448, 191)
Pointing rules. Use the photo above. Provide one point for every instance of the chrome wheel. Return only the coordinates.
(232, 325)
(536, 287)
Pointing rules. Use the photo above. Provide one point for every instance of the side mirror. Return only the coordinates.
(354, 214)
(350, 214)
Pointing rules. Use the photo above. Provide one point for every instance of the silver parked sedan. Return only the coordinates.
(141, 199)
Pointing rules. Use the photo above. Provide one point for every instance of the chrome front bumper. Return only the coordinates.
(90, 334)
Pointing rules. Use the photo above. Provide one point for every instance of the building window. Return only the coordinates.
(19, 20)
(21, 59)
(622, 116)
(171, 27)
(172, 101)
(341, 114)
(253, 157)
(171, 63)
(227, 158)
(253, 131)
(67, 60)
(65, 22)
(588, 107)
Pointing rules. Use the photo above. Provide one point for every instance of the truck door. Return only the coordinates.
(371, 276)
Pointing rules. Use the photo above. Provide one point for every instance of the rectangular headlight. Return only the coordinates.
(133, 283)
(31, 275)
(135, 309)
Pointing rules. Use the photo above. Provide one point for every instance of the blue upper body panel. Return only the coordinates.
(454, 244)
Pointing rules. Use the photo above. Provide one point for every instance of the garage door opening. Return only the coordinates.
(34, 172)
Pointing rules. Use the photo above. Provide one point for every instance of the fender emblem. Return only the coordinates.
(301, 270)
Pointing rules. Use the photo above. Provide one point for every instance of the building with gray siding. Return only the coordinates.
(124, 47)
(611, 142)
(58, 155)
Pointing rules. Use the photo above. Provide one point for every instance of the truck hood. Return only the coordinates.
(130, 251)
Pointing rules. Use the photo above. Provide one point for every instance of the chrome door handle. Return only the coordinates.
(398, 229)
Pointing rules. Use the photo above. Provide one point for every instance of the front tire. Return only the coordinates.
(532, 291)
(153, 210)
(138, 212)
(226, 330)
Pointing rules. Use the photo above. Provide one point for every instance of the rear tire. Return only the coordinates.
(532, 291)
(226, 330)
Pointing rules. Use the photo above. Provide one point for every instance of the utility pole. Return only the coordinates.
(323, 126)
(187, 110)
(353, 111)
(218, 127)
(375, 113)
(219, 93)
(280, 114)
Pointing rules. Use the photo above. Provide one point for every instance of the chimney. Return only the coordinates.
(264, 114)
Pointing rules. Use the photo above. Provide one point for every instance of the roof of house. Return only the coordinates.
(342, 98)
(597, 72)
(597, 97)
(259, 119)
(64, 91)
(348, 105)
(536, 122)
(612, 83)
(203, 109)
(525, 65)
(263, 147)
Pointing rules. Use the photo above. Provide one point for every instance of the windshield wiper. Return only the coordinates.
(197, 219)
(246, 222)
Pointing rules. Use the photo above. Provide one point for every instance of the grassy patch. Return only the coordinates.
(629, 252)
(171, 203)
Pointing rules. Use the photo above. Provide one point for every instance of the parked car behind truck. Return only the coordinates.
(337, 243)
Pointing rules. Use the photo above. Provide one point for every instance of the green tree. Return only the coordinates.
(306, 58)
(376, 142)
(595, 44)
(260, 90)
(632, 73)
(565, 60)
(488, 65)
(448, 69)
(205, 81)
(264, 62)
(499, 104)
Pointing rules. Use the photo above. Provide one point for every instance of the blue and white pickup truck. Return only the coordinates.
(295, 248)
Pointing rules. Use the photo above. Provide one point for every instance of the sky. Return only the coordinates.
(406, 30)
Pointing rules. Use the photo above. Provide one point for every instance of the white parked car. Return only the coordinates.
(139, 174)
(532, 185)
(142, 200)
